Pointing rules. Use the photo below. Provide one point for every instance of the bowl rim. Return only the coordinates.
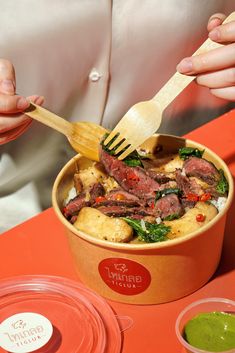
(145, 246)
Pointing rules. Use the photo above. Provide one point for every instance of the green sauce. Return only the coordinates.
(213, 331)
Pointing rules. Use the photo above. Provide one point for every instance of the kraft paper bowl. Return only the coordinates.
(145, 273)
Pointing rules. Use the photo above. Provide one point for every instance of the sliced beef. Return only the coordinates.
(157, 162)
(116, 211)
(75, 205)
(169, 205)
(96, 190)
(132, 179)
(188, 203)
(120, 203)
(161, 178)
(201, 169)
(73, 219)
(121, 211)
(186, 185)
(114, 194)
(169, 185)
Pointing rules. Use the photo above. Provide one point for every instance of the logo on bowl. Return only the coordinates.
(124, 276)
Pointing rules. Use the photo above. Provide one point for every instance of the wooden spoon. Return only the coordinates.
(84, 137)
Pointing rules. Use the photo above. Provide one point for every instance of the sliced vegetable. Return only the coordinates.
(120, 197)
(133, 160)
(100, 199)
(151, 233)
(205, 197)
(200, 217)
(192, 197)
(186, 152)
(222, 186)
(133, 176)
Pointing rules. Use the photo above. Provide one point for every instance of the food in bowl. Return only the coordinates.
(153, 195)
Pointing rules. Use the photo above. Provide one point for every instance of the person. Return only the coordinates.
(93, 63)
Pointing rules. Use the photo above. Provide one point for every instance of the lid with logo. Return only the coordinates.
(55, 315)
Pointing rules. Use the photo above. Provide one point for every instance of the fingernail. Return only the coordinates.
(22, 103)
(7, 86)
(39, 100)
(214, 34)
(215, 20)
(185, 66)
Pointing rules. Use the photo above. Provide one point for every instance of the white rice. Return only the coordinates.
(158, 220)
(143, 226)
(219, 203)
(71, 194)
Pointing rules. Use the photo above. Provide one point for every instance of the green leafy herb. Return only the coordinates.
(222, 186)
(106, 147)
(153, 233)
(132, 160)
(186, 152)
(164, 192)
(172, 216)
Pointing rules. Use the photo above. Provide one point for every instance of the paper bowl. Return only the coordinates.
(145, 273)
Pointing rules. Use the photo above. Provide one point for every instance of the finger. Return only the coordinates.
(224, 33)
(217, 79)
(216, 59)
(8, 123)
(227, 93)
(7, 77)
(12, 104)
(15, 133)
(215, 20)
(36, 99)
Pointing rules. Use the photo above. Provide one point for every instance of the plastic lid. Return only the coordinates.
(48, 314)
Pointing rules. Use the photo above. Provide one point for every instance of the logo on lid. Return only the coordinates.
(124, 276)
(25, 332)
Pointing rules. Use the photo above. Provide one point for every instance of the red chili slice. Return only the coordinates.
(100, 199)
(120, 197)
(133, 176)
(192, 197)
(205, 197)
(200, 217)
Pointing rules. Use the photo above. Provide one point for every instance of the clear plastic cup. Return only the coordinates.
(202, 306)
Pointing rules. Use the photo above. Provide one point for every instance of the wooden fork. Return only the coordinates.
(83, 136)
(143, 119)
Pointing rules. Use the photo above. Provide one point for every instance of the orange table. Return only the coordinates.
(39, 246)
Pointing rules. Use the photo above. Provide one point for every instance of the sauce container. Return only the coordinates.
(145, 273)
(206, 305)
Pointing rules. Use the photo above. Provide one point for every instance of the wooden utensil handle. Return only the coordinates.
(48, 118)
(178, 82)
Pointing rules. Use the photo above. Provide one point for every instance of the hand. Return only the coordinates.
(215, 69)
(12, 121)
